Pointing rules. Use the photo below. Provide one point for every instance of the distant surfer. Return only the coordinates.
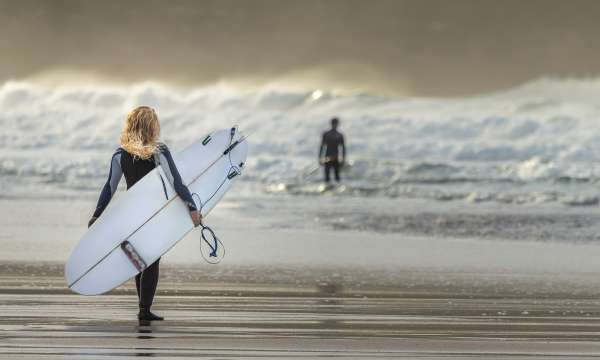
(329, 151)
(140, 152)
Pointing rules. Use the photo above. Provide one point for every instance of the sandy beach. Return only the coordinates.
(302, 293)
(263, 314)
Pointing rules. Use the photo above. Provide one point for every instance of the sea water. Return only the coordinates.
(521, 164)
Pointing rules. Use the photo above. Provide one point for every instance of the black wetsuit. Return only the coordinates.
(134, 168)
(331, 142)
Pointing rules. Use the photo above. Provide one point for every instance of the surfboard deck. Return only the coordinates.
(143, 222)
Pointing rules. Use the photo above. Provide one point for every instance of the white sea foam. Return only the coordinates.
(542, 131)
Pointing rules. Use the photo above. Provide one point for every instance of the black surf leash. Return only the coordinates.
(208, 237)
(216, 251)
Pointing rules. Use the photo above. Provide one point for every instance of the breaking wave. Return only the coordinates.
(535, 143)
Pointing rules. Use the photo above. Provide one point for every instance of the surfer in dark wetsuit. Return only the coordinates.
(329, 151)
(138, 155)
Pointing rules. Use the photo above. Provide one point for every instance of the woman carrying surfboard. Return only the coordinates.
(140, 153)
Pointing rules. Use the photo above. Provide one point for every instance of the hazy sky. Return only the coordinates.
(420, 47)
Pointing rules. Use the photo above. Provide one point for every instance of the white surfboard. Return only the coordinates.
(145, 222)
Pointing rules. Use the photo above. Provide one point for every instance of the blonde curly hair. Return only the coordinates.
(141, 131)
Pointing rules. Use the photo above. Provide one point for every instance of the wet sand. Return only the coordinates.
(302, 294)
(262, 312)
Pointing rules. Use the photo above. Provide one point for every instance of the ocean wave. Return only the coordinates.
(472, 149)
(539, 120)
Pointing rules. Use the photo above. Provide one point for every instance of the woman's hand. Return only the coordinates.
(196, 217)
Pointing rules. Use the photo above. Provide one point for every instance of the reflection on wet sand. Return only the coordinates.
(144, 330)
